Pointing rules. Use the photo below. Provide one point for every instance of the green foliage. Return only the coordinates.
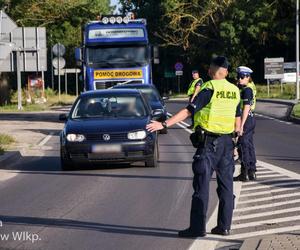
(5, 140)
(246, 31)
(63, 19)
(296, 111)
(288, 91)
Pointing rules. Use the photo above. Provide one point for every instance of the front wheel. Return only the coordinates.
(65, 163)
(153, 161)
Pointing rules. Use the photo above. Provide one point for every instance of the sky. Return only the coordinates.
(114, 2)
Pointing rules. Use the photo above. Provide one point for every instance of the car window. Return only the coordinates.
(109, 107)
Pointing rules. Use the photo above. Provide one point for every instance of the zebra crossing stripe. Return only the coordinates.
(273, 197)
(270, 205)
(273, 185)
(270, 191)
(264, 222)
(260, 214)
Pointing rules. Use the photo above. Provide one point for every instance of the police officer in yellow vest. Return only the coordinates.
(193, 90)
(246, 146)
(217, 116)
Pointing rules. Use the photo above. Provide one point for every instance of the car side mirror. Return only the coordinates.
(165, 98)
(63, 117)
(157, 113)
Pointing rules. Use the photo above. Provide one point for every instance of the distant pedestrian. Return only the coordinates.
(246, 147)
(193, 90)
(217, 116)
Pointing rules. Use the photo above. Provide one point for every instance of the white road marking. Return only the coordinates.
(276, 172)
(272, 205)
(260, 214)
(46, 139)
(271, 191)
(274, 119)
(274, 197)
(264, 232)
(6, 175)
(280, 178)
(273, 185)
(264, 222)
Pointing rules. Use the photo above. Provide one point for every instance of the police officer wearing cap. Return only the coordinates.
(217, 116)
(193, 90)
(246, 146)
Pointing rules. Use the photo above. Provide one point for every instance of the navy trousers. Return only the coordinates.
(246, 145)
(215, 155)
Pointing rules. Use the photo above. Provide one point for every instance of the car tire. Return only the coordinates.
(153, 161)
(65, 163)
(164, 131)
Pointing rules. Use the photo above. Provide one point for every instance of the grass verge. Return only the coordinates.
(52, 100)
(5, 140)
(296, 110)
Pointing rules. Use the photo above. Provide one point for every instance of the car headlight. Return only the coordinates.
(75, 137)
(137, 135)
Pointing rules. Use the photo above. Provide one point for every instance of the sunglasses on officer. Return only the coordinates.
(243, 75)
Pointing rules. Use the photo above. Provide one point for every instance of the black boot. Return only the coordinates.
(243, 175)
(189, 233)
(252, 175)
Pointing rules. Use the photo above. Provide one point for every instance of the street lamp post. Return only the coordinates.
(297, 50)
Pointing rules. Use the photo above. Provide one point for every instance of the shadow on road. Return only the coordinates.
(94, 226)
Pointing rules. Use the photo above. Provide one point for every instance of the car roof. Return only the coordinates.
(134, 85)
(111, 92)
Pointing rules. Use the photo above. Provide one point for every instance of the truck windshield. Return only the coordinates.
(114, 57)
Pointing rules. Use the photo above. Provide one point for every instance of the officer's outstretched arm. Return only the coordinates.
(178, 117)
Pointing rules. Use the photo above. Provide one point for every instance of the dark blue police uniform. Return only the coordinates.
(215, 154)
(246, 146)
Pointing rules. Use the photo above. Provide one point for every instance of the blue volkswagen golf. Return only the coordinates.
(109, 126)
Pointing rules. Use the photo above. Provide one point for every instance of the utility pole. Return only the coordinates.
(297, 50)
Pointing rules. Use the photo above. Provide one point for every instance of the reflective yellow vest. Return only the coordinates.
(192, 88)
(250, 85)
(218, 116)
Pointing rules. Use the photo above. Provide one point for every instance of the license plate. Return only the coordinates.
(106, 148)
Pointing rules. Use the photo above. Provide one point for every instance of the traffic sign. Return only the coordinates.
(169, 74)
(179, 73)
(67, 71)
(59, 62)
(7, 25)
(58, 49)
(274, 68)
(178, 66)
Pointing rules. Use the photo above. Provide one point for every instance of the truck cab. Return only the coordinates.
(115, 50)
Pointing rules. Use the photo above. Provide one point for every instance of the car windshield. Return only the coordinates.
(151, 94)
(122, 56)
(109, 107)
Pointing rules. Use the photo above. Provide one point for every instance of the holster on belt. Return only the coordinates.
(198, 137)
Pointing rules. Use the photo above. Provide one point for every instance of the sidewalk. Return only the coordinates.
(29, 130)
(287, 241)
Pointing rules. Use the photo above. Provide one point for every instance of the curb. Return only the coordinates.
(8, 158)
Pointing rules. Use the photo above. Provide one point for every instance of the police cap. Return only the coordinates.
(195, 71)
(220, 61)
(244, 70)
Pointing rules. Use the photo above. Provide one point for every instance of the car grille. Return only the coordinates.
(113, 137)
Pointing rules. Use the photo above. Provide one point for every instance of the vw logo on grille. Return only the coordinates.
(106, 137)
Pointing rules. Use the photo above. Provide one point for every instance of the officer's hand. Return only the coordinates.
(154, 126)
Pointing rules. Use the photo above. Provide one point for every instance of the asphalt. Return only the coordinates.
(116, 207)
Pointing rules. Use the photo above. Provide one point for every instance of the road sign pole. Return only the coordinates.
(58, 78)
(297, 50)
(268, 80)
(66, 83)
(52, 69)
(19, 81)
